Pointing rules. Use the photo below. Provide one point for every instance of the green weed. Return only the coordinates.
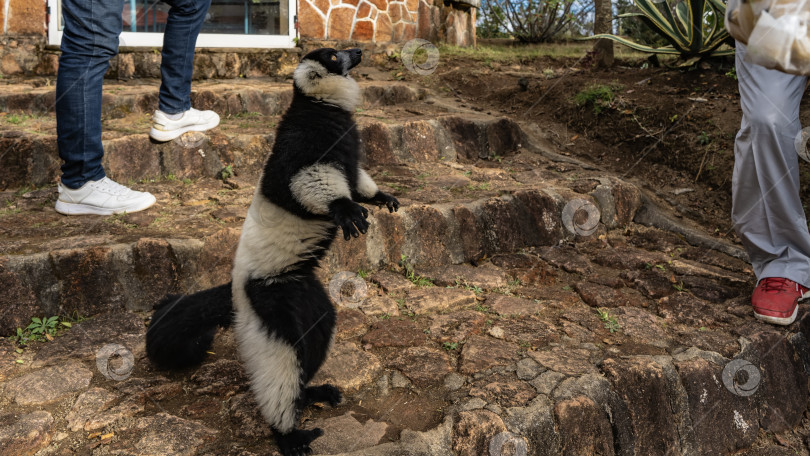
(403, 309)
(399, 188)
(463, 284)
(415, 278)
(598, 96)
(482, 308)
(40, 329)
(226, 172)
(248, 115)
(480, 186)
(16, 119)
(450, 346)
(611, 324)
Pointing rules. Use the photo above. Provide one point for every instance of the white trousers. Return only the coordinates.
(767, 212)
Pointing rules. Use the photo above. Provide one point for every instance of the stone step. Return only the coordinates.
(226, 97)
(540, 402)
(512, 353)
(557, 322)
(452, 213)
(542, 332)
(389, 136)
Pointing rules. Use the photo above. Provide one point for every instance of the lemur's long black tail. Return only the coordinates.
(183, 326)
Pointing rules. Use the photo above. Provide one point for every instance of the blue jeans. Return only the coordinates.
(89, 41)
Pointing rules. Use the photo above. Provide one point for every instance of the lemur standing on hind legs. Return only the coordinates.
(283, 319)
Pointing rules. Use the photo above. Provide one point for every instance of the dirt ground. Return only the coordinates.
(668, 130)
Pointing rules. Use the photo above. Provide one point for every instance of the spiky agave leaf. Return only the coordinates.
(634, 45)
(695, 30)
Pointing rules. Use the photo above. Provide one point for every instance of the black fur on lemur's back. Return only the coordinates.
(282, 316)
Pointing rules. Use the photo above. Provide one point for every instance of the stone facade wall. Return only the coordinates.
(22, 23)
(386, 21)
(360, 20)
(25, 17)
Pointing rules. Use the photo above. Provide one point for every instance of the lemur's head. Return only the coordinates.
(323, 74)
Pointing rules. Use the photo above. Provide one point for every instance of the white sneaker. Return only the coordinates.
(165, 129)
(101, 197)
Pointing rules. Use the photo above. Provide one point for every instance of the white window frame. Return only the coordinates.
(204, 40)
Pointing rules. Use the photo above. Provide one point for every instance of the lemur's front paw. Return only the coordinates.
(296, 443)
(350, 216)
(384, 199)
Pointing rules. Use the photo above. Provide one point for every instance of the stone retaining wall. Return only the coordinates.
(389, 21)
(33, 159)
(133, 276)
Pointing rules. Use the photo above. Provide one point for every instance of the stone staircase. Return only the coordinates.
(521, 302)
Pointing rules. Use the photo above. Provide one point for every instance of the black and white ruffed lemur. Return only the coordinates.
(283, 318)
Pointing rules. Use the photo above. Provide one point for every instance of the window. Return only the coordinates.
(229, 23)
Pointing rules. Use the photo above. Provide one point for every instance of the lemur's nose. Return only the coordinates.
(355, 52)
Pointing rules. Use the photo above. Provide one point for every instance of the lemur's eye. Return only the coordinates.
(334, 58)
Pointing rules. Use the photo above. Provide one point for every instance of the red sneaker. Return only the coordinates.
(776, 300)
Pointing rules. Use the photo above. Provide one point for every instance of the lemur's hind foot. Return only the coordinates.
(296, 442)
(322, 393)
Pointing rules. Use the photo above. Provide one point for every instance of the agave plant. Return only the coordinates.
(693, 28)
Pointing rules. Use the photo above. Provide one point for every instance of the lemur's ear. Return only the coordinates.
(313, 75)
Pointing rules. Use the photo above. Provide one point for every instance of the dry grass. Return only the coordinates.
(508, 53)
